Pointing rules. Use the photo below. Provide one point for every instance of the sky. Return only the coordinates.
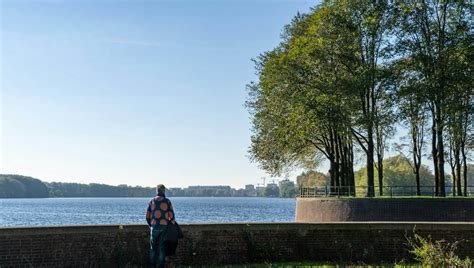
(133, 92)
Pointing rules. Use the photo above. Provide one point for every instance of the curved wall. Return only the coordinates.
(384, 209)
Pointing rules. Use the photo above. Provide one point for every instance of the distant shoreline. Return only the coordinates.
(70, 197)
(18, 186)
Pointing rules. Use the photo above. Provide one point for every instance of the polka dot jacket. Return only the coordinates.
(160, 212)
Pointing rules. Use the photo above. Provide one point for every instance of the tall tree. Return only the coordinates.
(331, 82)
(429, 33)
(368, 22)
(301, 104)
(412, 109)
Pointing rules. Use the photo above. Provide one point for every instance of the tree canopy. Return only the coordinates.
(16, 186)
(347, 72)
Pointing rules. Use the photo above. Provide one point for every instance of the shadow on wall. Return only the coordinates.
(225, 243)
(332, 209)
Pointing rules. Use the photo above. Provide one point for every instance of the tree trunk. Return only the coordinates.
(464, 162)
(417, 176)
(440, 147)
(332, 174)
(417, 132)
(350, 166)
(453, 175)
(380, 175)
(434, 154)
(458, 179)
(457, 162)
(370, 163)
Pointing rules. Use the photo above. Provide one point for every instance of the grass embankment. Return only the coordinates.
(405, 196)
(312, 264)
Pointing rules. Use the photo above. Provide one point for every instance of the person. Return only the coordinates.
(159, 215)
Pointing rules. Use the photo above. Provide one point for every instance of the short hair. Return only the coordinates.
(160, 188)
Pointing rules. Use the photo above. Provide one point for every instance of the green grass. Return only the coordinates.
(309, 265)
(404, 196)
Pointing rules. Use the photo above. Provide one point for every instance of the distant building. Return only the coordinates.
(175, 192)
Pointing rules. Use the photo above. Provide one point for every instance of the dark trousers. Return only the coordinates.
(157, 248)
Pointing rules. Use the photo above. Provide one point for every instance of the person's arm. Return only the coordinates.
(148, 214)
(171, 211)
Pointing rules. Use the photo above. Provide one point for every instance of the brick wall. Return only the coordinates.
(319, 210)
(98, 246)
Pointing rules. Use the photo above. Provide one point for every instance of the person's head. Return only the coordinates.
(160, 188)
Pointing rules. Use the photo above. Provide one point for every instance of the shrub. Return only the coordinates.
(436, 253)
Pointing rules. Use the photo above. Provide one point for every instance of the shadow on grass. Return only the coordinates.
(309, 265)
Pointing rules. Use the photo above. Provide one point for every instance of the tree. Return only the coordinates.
(16, 186)
(271, 190)
(470, 175)
(399, 173)
(369, 21)
(301, 103)
(429, 36)
(311, 178)
(412, 110)
(360, 29)
(383, 125)
(343, 70)
(287, 188)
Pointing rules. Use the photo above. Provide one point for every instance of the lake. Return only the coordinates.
(78, 211)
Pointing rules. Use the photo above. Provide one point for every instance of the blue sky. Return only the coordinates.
(133, 92)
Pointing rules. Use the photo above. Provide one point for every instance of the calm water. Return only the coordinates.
(71, 211)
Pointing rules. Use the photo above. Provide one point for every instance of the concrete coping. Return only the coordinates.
(243, 226)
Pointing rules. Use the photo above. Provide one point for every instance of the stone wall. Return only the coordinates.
(384, 209)
(98, 246)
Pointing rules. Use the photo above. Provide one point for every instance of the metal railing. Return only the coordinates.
(387, 191)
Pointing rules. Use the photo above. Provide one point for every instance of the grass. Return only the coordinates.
(310, 265)
(402, 196)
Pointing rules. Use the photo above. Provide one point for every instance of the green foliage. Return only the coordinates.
(398, 171)
(436, 253)
(61, 189)
(287, 189)
(301, 104)
(470, 175)
(342, 73)
(311, 179)
(16, 186)
(434, 48)
(271, 190)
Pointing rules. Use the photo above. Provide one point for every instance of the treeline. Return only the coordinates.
(17, 186)
(398, 177)
(62, 189)
(350, 73)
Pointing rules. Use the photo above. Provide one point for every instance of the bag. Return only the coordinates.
(180, 232)
(170, 239)
(173, 232)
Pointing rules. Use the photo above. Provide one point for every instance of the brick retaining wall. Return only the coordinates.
(334, 209)
(113, 245)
